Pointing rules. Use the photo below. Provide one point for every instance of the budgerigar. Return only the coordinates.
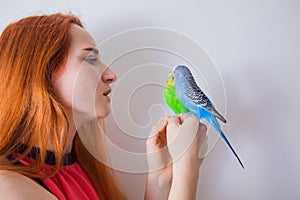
(194, 100)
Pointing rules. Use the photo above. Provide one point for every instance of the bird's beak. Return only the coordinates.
(171, 76)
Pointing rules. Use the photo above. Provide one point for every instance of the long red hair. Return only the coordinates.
(31, 50)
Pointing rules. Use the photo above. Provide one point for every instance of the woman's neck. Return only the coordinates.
(71, 134)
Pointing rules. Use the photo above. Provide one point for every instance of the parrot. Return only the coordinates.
(183, 95)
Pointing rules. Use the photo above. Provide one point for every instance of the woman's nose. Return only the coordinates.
(108, 76)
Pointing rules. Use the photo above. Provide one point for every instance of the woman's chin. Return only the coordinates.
(103, 114)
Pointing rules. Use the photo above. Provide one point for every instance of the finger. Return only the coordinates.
(172, 128)
(157, 129)
(188, 130)
(159, 126)
(186, 115)
(195, 132)
(202, 128)
(190, 120)
(204, 146)
(162, 132)
(173, 122)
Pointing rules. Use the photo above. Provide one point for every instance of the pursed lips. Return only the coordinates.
(107, 92)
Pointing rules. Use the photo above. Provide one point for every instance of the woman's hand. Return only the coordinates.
(173, 157)
(159, 162)
(185, 136)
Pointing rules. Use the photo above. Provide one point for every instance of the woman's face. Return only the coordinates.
(84, 82)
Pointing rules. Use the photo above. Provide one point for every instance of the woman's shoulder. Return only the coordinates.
(17, 186)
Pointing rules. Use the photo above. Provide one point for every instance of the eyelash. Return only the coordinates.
(91, 60)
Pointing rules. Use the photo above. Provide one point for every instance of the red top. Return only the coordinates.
(69, 183)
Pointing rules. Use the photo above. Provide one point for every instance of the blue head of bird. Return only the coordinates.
(181, 72)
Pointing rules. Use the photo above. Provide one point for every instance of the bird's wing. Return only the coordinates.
(197, 96)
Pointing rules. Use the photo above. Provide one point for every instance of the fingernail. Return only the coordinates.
(203, 128)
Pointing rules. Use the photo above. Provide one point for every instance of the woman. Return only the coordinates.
(53, 85)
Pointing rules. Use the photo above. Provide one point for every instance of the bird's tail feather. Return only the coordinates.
(218, 115)
(216, 125)
(227, 142)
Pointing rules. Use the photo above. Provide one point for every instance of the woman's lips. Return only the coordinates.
(107, 92)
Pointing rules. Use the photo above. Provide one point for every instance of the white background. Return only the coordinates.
(256, 47)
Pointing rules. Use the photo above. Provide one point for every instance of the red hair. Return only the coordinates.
(31, 50)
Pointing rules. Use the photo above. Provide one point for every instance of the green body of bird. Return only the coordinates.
(171, 97)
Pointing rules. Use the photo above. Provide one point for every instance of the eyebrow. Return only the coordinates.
(94, 50)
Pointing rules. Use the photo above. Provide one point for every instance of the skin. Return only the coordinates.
(158, 156)
(174, 171)
(81, 84)
(162, 184)
(186, 132)
(91, 78)
(15, 186)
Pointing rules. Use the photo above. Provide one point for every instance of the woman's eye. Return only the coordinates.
(91, 60)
